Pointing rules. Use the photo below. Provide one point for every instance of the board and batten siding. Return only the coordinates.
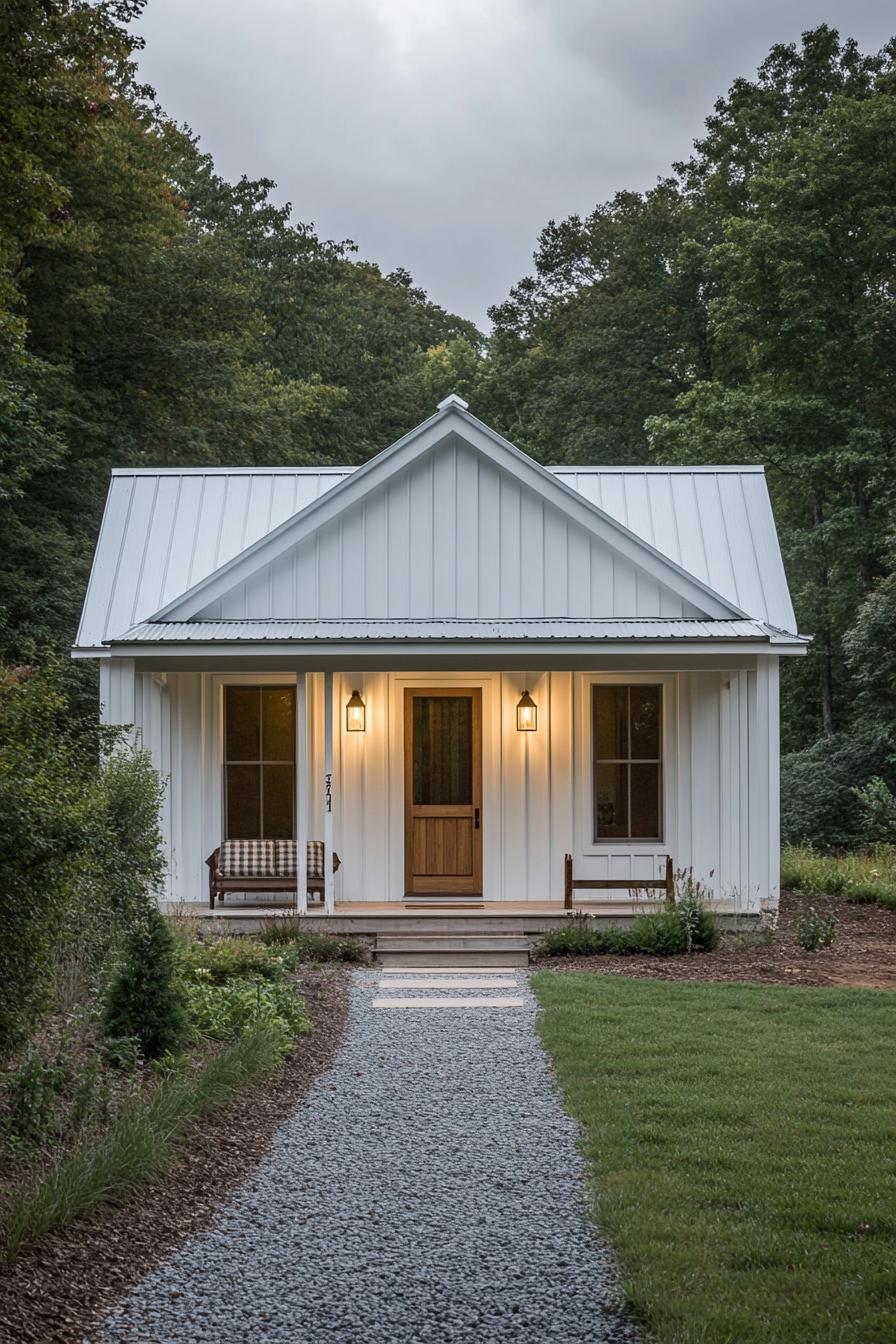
(721, 785)
(453, 536)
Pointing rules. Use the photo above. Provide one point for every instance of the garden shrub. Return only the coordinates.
(657, 935)
(814, 930)
(52, 1094)
(145, 1001)
(819, 804)
(80, 848)
(286, 930)
(878, 805)
(689, 927)
(225, 1011)
(223, 959)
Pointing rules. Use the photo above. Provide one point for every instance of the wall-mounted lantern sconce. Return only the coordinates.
(355, 714)
(526, 714)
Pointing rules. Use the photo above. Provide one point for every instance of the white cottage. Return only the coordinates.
(453, 666)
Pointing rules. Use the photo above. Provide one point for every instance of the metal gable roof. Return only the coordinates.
(165, 531)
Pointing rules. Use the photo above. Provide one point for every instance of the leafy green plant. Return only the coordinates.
(140, 1144)
(878, 805)
(145, 1001)
(31, 1099)
(698, 924)
(664, 933)
(50, 1096)
(814, 931)
(286, 930)
(223, 959)
(224, 1011)
(80, 848)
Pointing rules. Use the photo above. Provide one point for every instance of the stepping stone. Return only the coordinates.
(499, 1001)
(441, 970)
(452, 984)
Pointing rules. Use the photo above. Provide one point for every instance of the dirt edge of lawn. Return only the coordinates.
(863, 955)
(54, 1293)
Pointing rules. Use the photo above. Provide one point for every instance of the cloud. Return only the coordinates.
(442, 134)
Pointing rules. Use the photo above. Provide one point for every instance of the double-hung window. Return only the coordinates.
(259, 762)
(627, 762)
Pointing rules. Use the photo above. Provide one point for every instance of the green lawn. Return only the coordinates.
(743, 1143)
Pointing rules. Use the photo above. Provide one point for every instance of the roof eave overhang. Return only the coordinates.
(437, 650)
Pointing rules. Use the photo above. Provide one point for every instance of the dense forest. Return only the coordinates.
(740, 311)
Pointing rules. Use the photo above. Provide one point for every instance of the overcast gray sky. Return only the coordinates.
(441, 135)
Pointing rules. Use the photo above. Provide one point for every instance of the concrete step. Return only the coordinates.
(454, 942)
(438, 947)
(413, 957)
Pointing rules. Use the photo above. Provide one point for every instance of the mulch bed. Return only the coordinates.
(863, 954)
(55, 1292)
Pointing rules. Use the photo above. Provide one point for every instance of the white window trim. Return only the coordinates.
(584, 820)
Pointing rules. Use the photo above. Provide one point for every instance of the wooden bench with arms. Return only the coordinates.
(263, 865)
(570, 884)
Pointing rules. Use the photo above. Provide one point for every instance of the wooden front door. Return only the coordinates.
(443, 791)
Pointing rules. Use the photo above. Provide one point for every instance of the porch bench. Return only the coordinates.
(571, 884)
(263, 865)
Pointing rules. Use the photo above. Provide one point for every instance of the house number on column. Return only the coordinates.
(328, 793)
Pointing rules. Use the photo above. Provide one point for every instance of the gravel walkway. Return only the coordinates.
(428, 1189)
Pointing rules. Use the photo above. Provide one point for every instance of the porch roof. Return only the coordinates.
(438, 633)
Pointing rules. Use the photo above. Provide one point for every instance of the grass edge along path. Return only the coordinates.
(740, 1139)
(141, 1144)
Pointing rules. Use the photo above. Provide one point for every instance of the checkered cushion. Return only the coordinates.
(248, 858)
(286, 859)
(270, 858)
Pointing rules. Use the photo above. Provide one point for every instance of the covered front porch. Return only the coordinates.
(465, 783)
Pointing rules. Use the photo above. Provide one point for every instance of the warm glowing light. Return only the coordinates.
(526, 714)
(355, 714)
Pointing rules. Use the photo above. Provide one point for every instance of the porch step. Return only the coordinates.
(495, 950)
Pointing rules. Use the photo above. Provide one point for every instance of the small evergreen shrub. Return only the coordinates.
(145, 1001)
(814, 931)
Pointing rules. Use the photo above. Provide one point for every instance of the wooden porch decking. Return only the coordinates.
(372, 917)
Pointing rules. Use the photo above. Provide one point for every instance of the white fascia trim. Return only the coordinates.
(434, 651)
(392, 460)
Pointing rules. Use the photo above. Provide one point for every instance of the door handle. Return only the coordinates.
(475, 818)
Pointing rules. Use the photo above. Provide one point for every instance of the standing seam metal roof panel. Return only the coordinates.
(163, 531)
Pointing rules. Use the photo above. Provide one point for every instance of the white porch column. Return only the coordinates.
(301, 798)
(118, 695)
(329, 888)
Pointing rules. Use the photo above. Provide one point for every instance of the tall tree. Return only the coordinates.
(802, 269)
(608, 331)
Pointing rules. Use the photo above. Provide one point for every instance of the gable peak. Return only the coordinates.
(453, 401)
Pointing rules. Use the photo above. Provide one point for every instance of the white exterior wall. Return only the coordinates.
(721, 780)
